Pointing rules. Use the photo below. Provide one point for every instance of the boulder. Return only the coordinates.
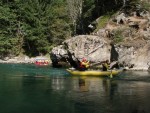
(137, 57)
(132, 46)
(93, 48)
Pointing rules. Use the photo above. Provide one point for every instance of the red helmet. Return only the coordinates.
(84, 59)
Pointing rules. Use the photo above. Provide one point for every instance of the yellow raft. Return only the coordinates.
(94, 72)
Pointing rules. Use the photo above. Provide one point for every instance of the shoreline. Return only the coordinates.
(136, 69)
(23, 59)
(31, 61)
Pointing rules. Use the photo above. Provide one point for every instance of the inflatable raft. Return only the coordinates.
(94, 72)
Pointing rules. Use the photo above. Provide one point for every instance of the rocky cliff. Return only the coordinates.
(125, 37)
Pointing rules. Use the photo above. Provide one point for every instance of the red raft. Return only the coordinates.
(41, 62)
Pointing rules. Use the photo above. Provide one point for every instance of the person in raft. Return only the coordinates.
(84, 64)
(105, 65)
(109, 66)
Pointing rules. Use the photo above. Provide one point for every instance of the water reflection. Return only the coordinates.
(110, 87)
(138, 111)
(104, 95)
(93, 94)
(24, 90)
(103, 85)
(58, 83)
(83, 85)
(94, 85)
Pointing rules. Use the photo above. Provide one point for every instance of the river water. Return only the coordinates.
(27, 88)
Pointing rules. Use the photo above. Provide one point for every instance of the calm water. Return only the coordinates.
(30, 89)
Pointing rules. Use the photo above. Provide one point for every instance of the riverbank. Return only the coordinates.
(30, 60)
(23, 59)
(137, 69)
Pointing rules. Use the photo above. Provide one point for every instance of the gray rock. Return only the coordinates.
(133, 51)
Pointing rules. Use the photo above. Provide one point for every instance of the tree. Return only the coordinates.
(9, 33)
(75, 12)
(32, 26)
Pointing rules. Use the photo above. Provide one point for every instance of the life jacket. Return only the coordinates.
(84, 64)
(81, 65)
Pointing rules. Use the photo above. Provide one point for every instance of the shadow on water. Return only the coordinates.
(143, 76)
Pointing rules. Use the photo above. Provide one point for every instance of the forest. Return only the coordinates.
(34, 27)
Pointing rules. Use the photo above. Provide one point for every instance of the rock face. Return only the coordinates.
(125, 38)
(93, 48)
(139, 58)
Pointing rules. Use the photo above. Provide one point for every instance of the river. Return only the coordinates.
(26, 88)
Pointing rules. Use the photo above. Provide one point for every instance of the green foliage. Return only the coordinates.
(146, 5)
(36, 26)
(87, 15)
(59, 28)
(94, 9)
(102, 21)
(9, 42)
(47, 23)
(117, 36)
(32, 25)
(9, 46)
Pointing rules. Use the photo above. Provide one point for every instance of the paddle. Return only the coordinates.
(111, 76)
(91, 65)
(114, 65)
